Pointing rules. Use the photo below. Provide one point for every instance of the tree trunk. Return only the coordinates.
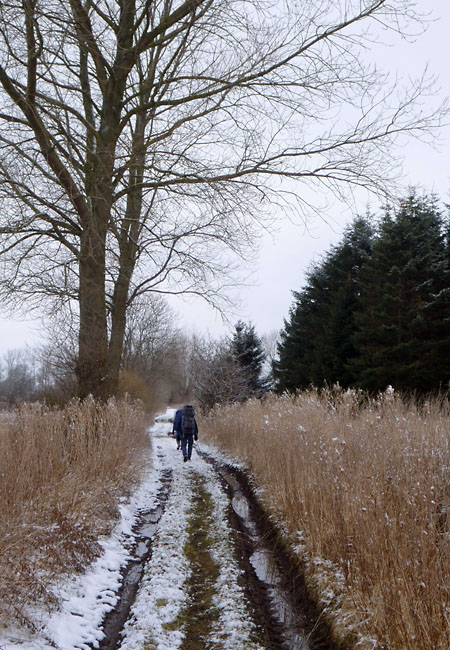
(118, 324)
(128, 255)
(92, 365)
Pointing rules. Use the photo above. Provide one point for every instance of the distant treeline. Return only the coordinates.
(376, 309)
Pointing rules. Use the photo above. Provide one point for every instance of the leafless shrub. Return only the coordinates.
(155, 349)
(134, 386)
(218, 379)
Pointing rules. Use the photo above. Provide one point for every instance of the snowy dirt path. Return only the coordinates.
(175, 547)
(190, 596)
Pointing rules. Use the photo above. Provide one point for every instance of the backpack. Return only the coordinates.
(188, 422)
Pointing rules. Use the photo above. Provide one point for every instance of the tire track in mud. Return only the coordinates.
(284, 611)
(141, 552)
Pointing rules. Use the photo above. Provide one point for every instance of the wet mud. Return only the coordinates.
(286, 614)
(143, 533)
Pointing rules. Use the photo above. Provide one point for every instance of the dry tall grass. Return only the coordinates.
(364, 491)
(62, 472)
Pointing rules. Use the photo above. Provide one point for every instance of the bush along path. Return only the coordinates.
(187, 568)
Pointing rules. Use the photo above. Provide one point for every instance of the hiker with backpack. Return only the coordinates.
(186, 429)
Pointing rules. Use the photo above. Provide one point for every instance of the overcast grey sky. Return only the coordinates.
(286, 254)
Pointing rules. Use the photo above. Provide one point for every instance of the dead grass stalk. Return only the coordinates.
(62, 472)
(363, 488)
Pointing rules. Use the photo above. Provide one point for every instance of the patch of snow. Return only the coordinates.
(168, 416)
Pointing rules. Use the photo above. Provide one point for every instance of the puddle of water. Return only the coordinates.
(133, 576)
(262, 562)
(240, 506)
(231, 480)
(148, 530)
(142, 549)
(282, 608)
(154, 517)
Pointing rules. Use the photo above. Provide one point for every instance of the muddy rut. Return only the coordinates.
(141, 553)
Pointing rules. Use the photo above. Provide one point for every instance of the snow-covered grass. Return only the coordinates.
(363, 489)
(62, 475)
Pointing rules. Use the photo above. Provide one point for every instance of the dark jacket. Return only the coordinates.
(177, 424)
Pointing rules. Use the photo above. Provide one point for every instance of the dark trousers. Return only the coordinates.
(187, 441)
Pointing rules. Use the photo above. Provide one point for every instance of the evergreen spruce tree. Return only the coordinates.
(437, 314)
(317, 343)
(404, 303)
(376, 310)
(344, 266)
(295, 364)
(248, 353)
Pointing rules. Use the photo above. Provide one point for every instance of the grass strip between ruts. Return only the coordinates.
(199, 615)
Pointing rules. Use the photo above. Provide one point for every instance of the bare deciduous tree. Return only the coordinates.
(217, 377)
(138, 137)
(154, 348)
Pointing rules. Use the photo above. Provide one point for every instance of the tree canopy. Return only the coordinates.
(141, 138)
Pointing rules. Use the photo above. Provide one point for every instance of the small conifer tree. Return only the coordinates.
(248, 353)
